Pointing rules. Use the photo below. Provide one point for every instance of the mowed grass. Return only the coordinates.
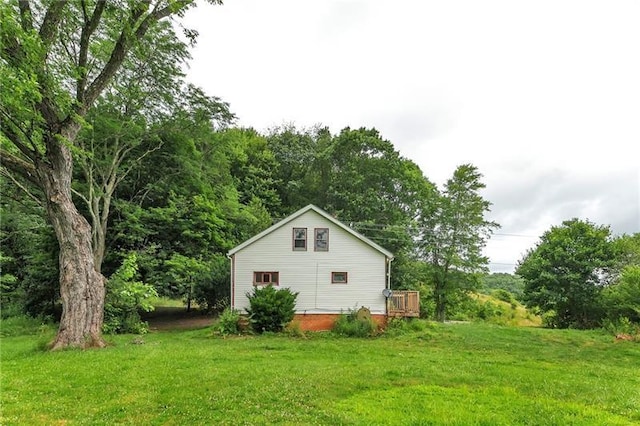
(462, 374)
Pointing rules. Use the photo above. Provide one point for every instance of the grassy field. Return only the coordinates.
(462, 374)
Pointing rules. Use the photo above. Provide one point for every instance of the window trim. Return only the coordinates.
(333, 277)
(315, 239)
(294, 239)
(262, 274)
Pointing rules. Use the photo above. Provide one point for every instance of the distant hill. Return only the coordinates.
(498, 311)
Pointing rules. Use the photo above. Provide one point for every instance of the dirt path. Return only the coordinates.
(176, 318)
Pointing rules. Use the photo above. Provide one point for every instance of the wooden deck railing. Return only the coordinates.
(404, 303)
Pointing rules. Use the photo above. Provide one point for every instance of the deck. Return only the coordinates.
(403, 303)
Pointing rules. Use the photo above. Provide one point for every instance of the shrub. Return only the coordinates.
(503, 295)
(294, 329)
(25, 325)
(228, 322)
(402, 326)
(622, 326)
(354, 325)
(125, 299)
(271, 309)
(550, 319)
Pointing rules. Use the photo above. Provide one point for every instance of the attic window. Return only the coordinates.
(338, 278)
(322, 239)
(300, 239)
(266, 278)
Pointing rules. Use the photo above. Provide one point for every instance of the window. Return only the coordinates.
(265, 278)
(322, 239)
(300, 239)
(338, 278)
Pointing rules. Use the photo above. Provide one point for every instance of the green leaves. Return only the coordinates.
(271, 309)
(566, 272)
(126, 296)
(454, 232)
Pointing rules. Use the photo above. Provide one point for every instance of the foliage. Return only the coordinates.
(503, 281)
(566, 272)
(453, 233)
(125, 298)
(58, 59)
(623, 326)
(24, 325)
(362, 180)
(228, 322)
(404, 326)
(622, 299)
(271, 309)
(427, 302)
(461, 374)
(354, 325)
(29, 258)
(504, 295)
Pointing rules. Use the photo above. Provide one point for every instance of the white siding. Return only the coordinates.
(309, 272)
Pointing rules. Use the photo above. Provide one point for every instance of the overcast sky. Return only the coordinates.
(542, 96)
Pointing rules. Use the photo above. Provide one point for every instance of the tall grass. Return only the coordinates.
(461, 374)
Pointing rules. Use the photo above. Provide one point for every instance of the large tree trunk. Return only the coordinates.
(82, 287)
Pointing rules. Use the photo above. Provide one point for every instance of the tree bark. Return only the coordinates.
(82, 287)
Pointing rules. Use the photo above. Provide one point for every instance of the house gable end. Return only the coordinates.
(320, 212)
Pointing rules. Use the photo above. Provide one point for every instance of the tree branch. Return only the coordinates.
(26, 18)
(90, 25)
(19, 166)
(11, 134)
(124, 43)
(49, 26)
(23, 188)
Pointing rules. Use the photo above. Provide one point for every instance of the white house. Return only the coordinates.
(332, 267)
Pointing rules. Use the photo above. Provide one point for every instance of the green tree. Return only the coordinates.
(29, 256)
(622, 298)
(204, 192)
(57, 59)
(359, 177)
(147, 93)
(454, 232)
(566, 272)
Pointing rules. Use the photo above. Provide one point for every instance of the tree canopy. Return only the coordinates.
(58, 58)
(566, 272)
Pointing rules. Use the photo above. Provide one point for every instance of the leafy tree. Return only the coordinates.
(299, 155)
(454, 232)
(29, 256)
(361, 179)
(57, 59)
(566, 272)
(191, 202)
(622, 298)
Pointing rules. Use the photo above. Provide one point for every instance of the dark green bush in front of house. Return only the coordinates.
(271, 309)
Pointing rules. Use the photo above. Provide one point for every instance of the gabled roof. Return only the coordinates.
(322, 213)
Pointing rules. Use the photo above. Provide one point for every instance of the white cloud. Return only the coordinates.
(543, 97)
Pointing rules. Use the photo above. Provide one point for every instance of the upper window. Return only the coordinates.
(339, 278)
(322, 239)
(266, 278)
(300, 239)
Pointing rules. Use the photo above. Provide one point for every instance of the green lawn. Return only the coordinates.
(463, 374)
